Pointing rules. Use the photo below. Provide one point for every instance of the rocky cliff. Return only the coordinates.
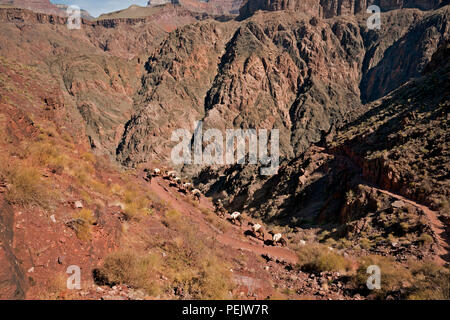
(101, 73)
(42, 6)
(214, 7)
(332, 8)
(275, 70)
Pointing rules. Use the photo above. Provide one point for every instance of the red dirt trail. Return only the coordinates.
(232, 236)
(437, 226)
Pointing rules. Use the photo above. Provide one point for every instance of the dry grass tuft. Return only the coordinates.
(319, 258)
(28, 187)
(127, 267)
(84, 220)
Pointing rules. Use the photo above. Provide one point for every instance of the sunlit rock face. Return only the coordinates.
(152, 3)
(332, 8)
(208, 6)
(42, 6)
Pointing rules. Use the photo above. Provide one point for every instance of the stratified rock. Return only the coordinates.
(332, 8)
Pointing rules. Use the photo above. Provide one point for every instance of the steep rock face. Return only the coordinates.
(310, 7)
(397, 145)
(97, 77)
(84, 14)
(404, 151)
(332, 8)
(42, 6)
(407, 57)
(227, 6)
(172, 96)
(274, 74)
(208, 6)
(270, 74)
(13, 15)
(152, 3)
(12, 276)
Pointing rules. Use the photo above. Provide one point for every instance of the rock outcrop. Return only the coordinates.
(42, 6)
(397, 145)
(332, 8)
(213, 7)
(152, 3)
(275, 70)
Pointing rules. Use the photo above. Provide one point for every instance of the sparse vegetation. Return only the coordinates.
(128, 267)
(319, 258)
(431, 282)
(28, 187)
(137, 203)
(393, 275)
(84, 219)
(425, 239)
(55, 287)
(416, 280)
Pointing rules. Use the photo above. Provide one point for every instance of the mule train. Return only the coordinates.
(257, 230)
(197, 194)
(236, 217)
(277, 238)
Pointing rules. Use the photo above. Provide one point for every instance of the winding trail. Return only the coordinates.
(438, 227)
(232, 237)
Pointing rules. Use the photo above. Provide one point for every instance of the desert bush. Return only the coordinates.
(425, 239)
(172, 219)
(128, 267)
(84, 220)
(55, 287)
(81, 175)
(99, 187)
(394, 276)
(4, 166)
(89, 157)
(365, 243)
(192, 265)
(47, 154)
(212, 281)
(200, 272)
(86, 197)
(431, 282)
(137, 204)
(220, 224)
(350, 196)
(319, 258)
(116, 189)
(417, 280)
(157, 203)
(444, 204)
(27, 187)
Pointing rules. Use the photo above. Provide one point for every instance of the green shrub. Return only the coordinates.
(425, 239)
(128, 267)
(394, 276)
(319, 258)
(431, 282)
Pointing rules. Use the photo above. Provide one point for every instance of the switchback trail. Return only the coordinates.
(437, 226)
